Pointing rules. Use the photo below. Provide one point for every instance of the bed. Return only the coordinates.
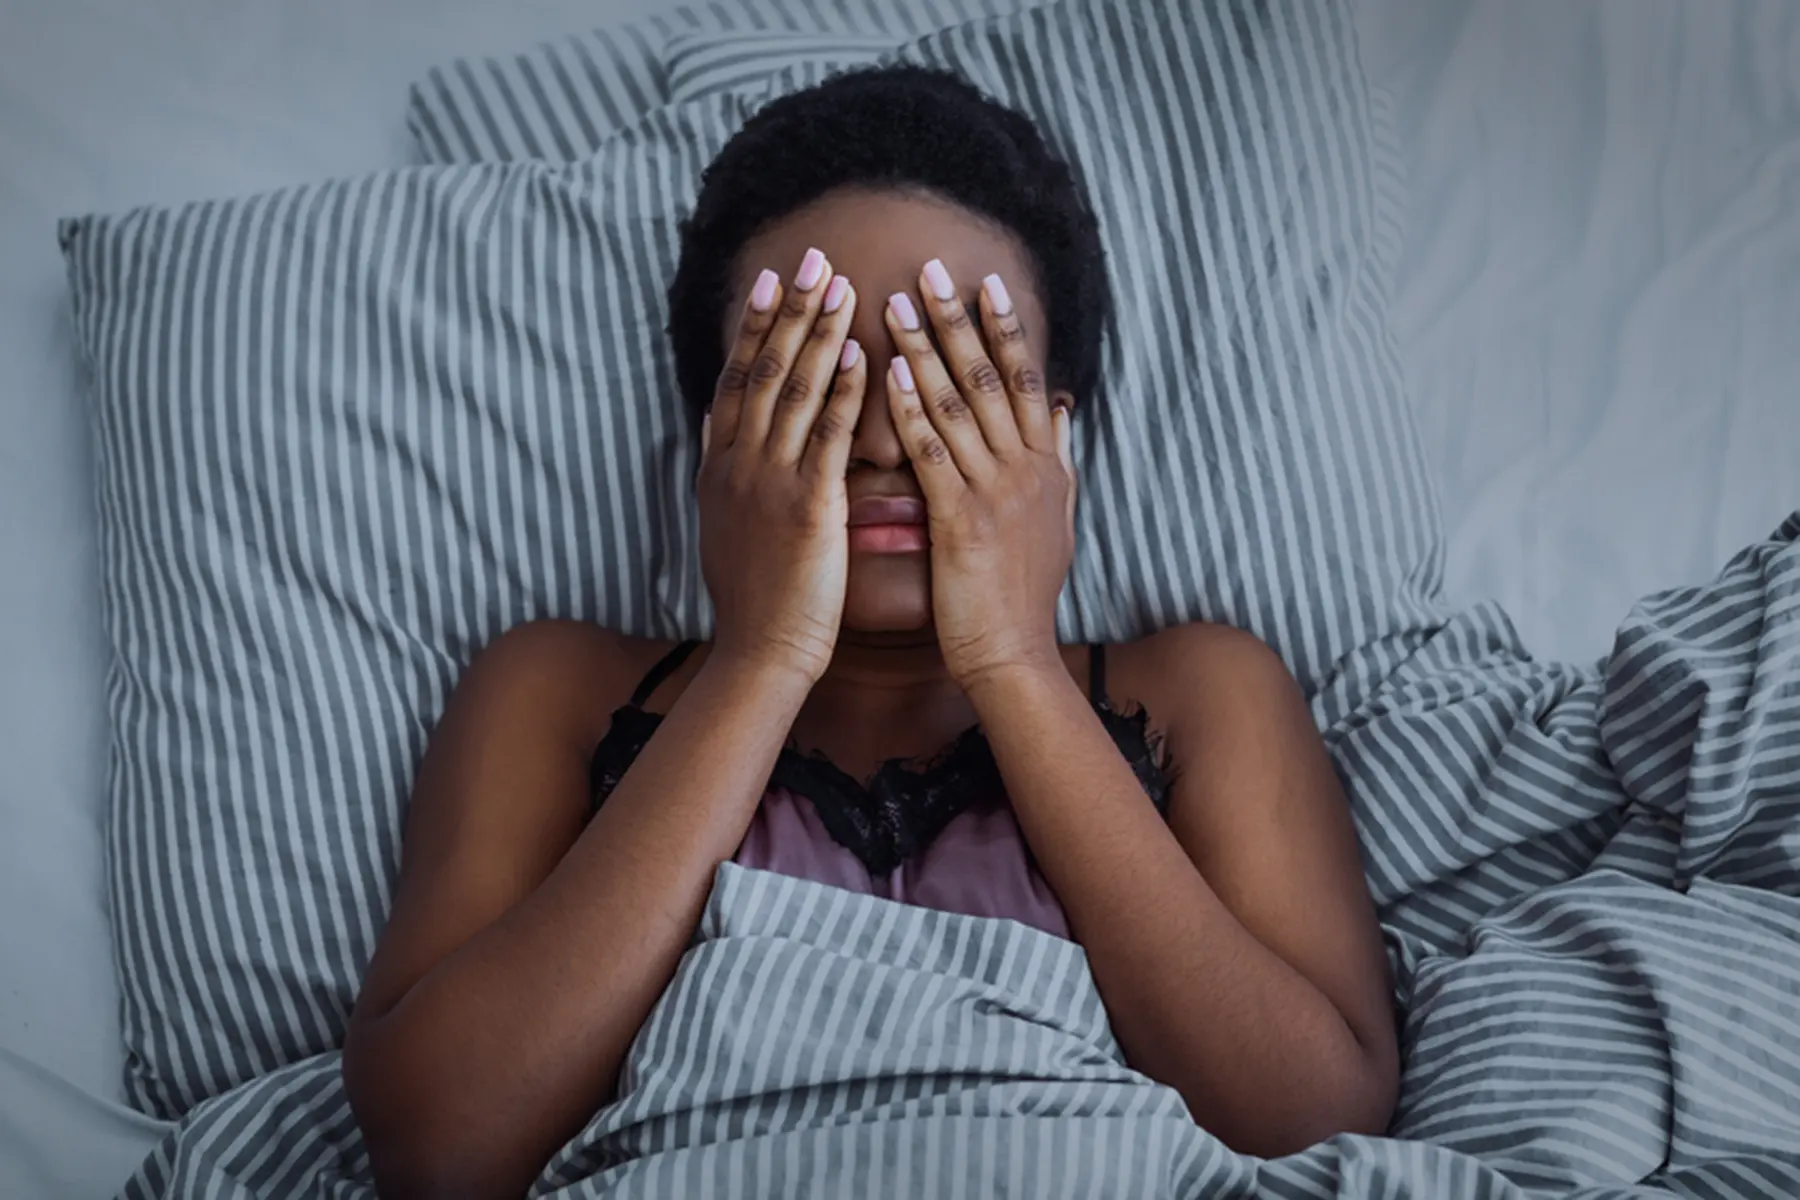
(1595, 310)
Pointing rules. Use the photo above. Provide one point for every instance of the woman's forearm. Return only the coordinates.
(509, 1043)
(1263, 1058)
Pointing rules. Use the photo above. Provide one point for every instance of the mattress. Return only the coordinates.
(1595, 310)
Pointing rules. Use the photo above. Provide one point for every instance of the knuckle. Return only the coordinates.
(1028, 379)
(827, 426)
(794, 389)
(734, 378)
(823, 330)
(1011, 332)
(747, 336)
(933, 451)
(982, 378)
(794, 304)
(768, 367)
(954, 317)
(949, 403)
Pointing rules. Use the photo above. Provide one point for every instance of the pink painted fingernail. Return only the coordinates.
(997, 297)
(834, 295)
(763, 294)
(847, 359)
(904, 312)
(902, 374)
(812, 269)
(939, 279)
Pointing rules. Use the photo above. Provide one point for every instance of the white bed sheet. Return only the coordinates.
(105, 104)
(1597, 309)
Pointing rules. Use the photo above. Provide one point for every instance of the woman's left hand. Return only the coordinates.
(994, 463)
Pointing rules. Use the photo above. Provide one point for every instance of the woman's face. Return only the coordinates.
(880, 240)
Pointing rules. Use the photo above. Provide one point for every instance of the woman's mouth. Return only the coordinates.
(888, 525)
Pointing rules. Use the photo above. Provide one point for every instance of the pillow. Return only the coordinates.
(348, 433)
(700, 64)
(559, 100)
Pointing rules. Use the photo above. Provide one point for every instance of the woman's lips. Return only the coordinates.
(887, 510)
(888, 525)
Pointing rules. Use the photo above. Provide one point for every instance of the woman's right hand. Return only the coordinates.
(774, 515)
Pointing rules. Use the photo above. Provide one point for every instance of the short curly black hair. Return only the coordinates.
(901, 127)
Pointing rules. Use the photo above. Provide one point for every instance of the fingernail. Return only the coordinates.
(834, 295)
(812, 269)
(902, 374)
(847, 359)
(997, 297)
(902, 305)
(939, 279)
(706, 430)
(763, 294)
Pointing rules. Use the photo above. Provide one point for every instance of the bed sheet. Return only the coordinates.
(59, 1140)
(1596, 312)
(106, 104)
(1600, 293)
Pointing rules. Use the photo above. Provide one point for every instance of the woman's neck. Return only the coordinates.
(884, 696)
(889, 662)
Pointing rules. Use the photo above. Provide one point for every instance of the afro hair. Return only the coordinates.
(900, 127)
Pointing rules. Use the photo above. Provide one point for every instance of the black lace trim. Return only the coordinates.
(908, 802)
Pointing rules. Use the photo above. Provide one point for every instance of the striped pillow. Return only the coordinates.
(348, 433)
(700, 64)
(558, 101)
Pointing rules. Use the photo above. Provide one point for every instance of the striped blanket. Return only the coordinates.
(1590, 881)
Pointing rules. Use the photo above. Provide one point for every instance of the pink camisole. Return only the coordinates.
(943, 836)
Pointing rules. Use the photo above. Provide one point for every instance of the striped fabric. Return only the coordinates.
(349, 433)
(562, 99)
(700, 64)
(1601, 1003)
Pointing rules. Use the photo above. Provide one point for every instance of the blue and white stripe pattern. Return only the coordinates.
(703, 64)
(349, 433)
(1629, 1029)
(559, 101)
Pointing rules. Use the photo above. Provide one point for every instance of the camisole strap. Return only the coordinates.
(1097, 676)
(665, 666)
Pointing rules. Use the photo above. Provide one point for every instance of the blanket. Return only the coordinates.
(1589, 879)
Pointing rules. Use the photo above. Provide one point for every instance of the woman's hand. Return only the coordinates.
(994, 464)
(774, 540)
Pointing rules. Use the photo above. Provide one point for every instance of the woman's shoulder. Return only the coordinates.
(1161, 670)
(1195, 637)
(583, 669)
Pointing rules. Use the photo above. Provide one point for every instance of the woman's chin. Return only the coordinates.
(888, 594)
(886, 618)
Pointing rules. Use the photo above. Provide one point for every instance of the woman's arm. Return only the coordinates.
(1239, 957)
(513, 977)
(1235, 946)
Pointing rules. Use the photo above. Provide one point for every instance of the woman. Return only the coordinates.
(886, 504)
